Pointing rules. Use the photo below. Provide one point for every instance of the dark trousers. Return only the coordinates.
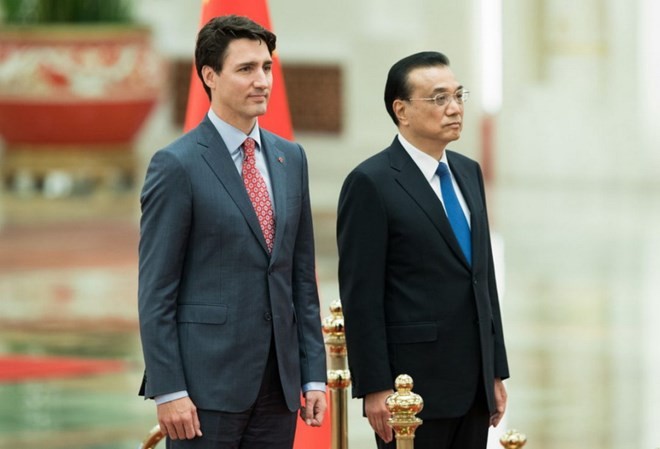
(268, 424)
(465, 432)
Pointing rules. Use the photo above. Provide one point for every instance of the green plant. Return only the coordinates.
(65, 11)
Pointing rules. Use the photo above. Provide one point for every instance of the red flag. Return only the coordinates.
(277, 119)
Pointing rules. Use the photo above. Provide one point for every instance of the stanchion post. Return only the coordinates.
(153, 438)
(513, 439)
(404, 405)
(339, 378)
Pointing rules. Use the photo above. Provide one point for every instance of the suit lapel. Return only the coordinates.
(276, 168)
(415, 184)
(217, 157)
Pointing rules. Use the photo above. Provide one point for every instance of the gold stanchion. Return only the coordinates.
(513, 439)
(153, 438)
(339, 378)
(404, 405)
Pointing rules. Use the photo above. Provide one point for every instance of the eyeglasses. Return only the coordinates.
(443, 99)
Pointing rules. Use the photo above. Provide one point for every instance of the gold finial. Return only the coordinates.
(404, 405)
(333, 327)
(513, 439)
(338, 378)
(153, 438)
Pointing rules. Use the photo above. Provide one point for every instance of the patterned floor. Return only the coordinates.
(68, 290)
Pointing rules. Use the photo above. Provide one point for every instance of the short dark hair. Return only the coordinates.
(214, 38)
(397, 86)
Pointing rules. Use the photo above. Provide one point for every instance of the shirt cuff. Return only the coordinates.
(169, 397)
(313, 386)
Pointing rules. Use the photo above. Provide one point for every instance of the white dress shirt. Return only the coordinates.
(428, 166)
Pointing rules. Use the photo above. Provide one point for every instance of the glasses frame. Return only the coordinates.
(465, 94)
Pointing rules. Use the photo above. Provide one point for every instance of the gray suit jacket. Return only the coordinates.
(210, 296)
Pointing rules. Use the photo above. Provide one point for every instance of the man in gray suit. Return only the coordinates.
(228, 302)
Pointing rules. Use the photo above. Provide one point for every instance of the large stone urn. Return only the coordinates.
(72, 99)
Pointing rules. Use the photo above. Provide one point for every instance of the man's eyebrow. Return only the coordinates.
(444, 89)
(254, 63)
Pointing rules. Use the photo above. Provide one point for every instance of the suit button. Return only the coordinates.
(474, 281)
(268, 316)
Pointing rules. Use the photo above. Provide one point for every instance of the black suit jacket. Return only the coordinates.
(211, 297)
(411, 302)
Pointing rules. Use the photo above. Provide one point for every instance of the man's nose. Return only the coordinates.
(453, 107)
(261, 78)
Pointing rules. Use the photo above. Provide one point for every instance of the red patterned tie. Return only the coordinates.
(258, 193)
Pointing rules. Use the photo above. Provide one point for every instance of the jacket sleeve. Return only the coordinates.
(362, 238)
(305, 292)
(501, 366)
(164, 227)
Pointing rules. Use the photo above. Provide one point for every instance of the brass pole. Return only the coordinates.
(513, 439)
(339, 378)
(153, 438)
(404, 405)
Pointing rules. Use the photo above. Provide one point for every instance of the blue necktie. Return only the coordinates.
(454, 212)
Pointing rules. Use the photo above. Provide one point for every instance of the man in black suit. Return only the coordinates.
(416, 272)
(229, 309)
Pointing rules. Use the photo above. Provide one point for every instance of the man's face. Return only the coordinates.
(424, 120)
(240, 91)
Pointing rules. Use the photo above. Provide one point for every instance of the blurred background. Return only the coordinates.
(563, 116)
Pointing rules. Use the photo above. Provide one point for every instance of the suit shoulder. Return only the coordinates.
(461, 158)
(281, 143)
(276, 137)
(375, 164)
(183, 145)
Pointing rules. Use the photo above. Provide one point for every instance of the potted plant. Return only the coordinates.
(78, 79)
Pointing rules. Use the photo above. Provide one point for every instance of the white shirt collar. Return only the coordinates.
(427, 164)
(234, 137)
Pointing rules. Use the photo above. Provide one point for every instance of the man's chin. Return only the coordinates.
(259, 111)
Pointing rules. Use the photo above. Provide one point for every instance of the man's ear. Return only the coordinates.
(209, 76)
(400, 111)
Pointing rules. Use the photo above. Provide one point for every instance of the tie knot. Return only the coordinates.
(442, 170)
(248, 146)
